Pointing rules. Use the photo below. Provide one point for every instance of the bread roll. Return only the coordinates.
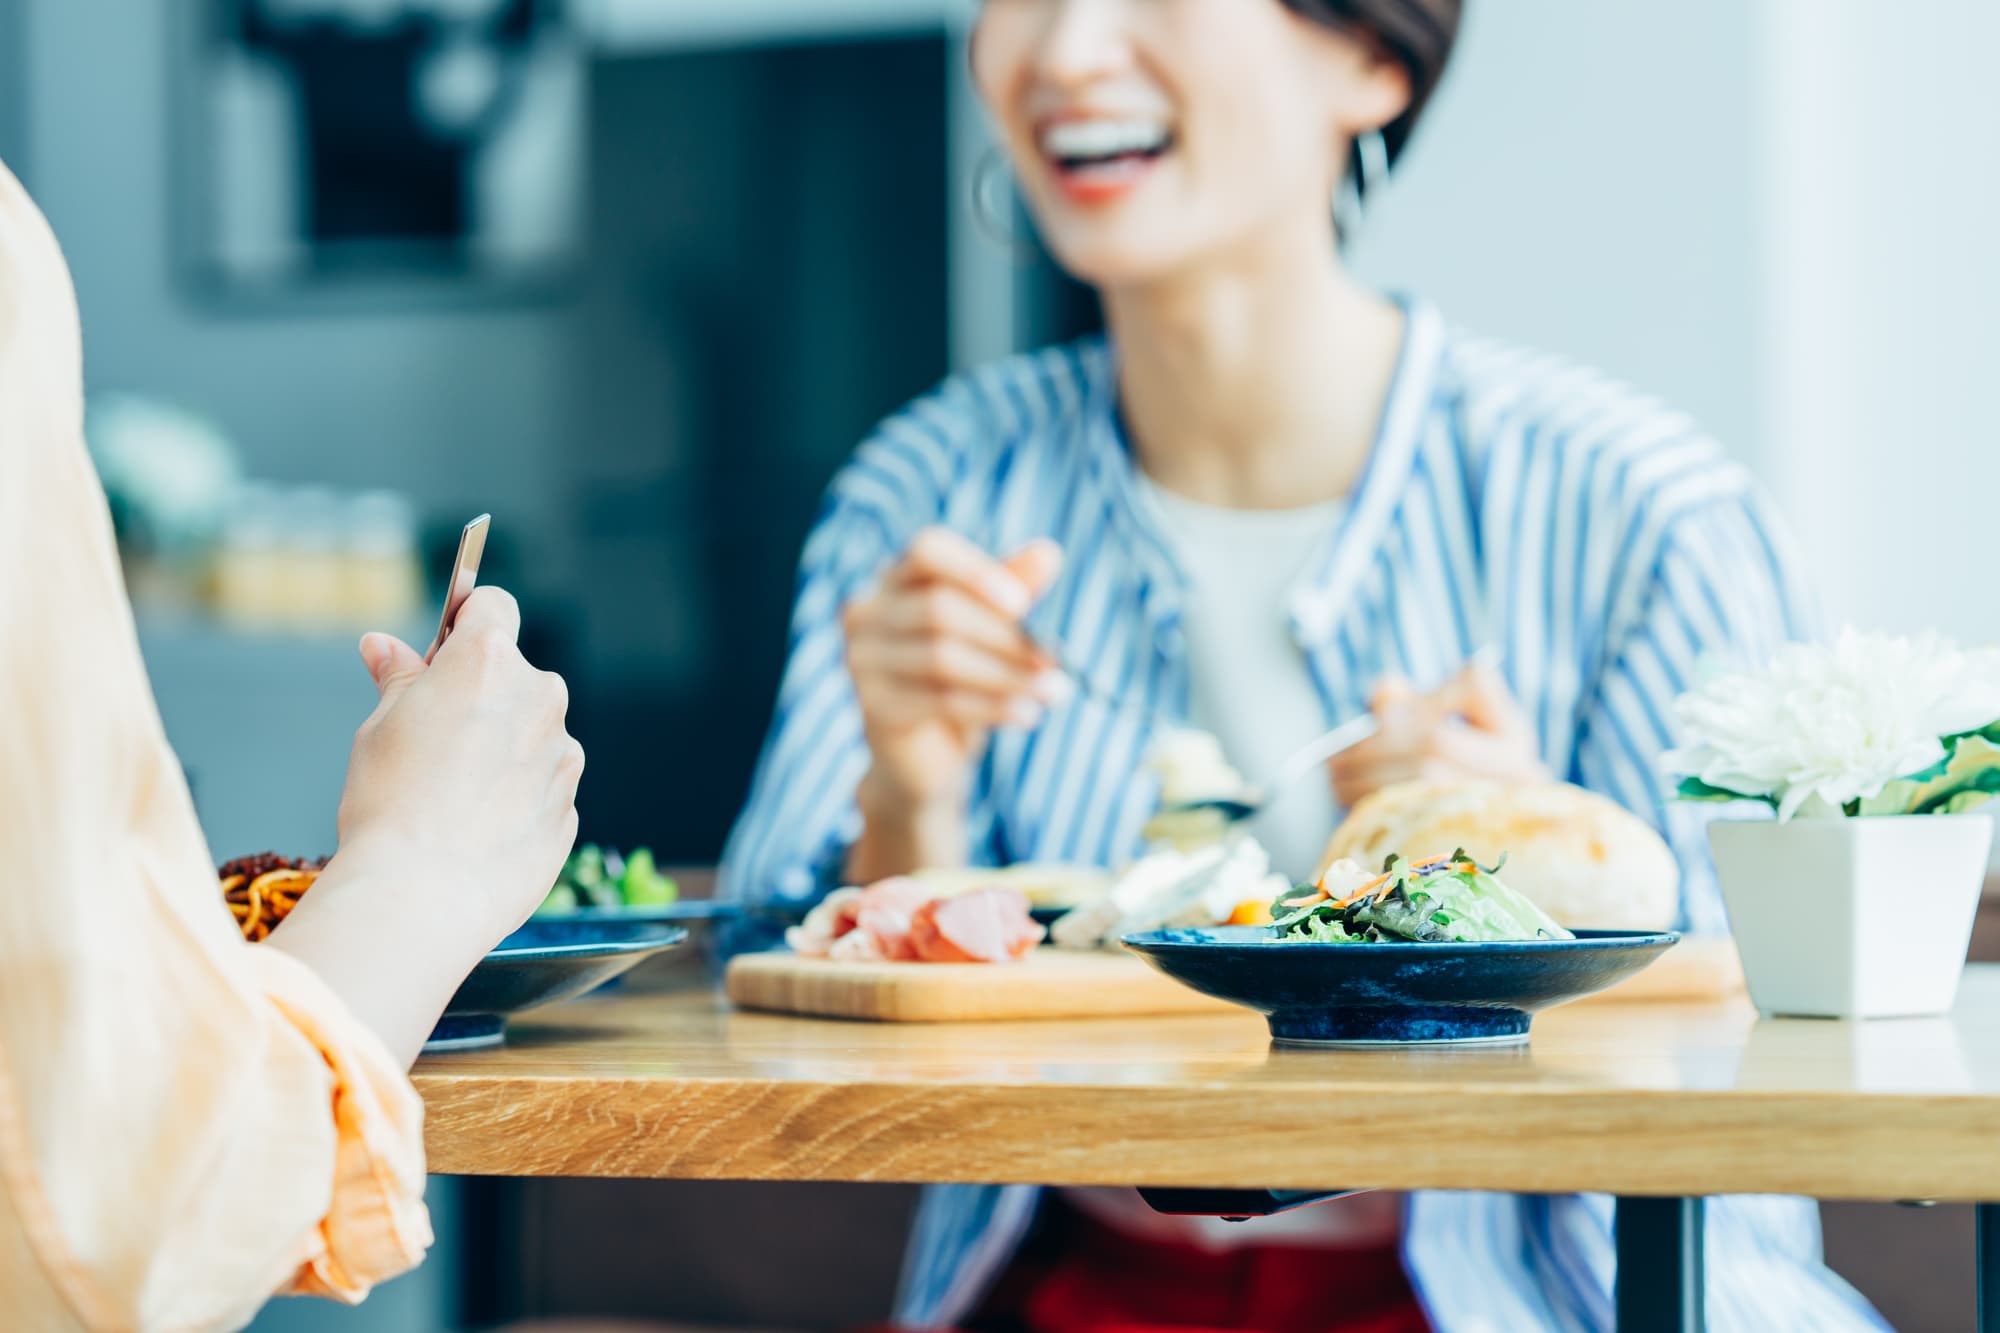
(1586, 861)
(1043, 884)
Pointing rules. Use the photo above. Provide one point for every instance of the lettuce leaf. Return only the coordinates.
(1435, 904)
(1481, 907)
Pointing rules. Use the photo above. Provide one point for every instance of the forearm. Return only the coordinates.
(898, 837)
(373, 937)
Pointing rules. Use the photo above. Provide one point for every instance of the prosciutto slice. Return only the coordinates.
(900, 920)
(862, 925)
(984, 926)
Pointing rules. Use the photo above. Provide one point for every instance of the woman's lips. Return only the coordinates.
(1096, 159)
(1105, 182)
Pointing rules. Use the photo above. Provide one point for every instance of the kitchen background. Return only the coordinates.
(696, 247)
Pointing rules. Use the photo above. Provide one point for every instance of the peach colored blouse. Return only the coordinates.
(189, 1124)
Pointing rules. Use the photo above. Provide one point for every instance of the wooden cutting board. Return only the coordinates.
(1048, 983)
(1057, 983)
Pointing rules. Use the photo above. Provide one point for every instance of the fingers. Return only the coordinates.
(902, 702)
(1036, 565)
(1507, 755)
(939, 554)
(1468, 729)
(942, 611)
(392, 664)
(567, 774)
(1392, 693)
(1011, 587)
(1479, 695)
(1450, 750)
(950, 663)
(490, 614)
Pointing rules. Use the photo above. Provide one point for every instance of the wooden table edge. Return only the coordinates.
(1524, 1139)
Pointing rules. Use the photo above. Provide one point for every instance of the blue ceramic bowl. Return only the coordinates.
(542, 962)
(1396, 994)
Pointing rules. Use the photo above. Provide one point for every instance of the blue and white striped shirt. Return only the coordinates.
(1600, 542)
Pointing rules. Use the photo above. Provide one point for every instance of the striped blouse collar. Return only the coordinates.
(1343, 560)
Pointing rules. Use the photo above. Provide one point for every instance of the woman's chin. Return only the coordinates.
(1109, 261)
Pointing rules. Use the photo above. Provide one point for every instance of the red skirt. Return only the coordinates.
(1080, 1276)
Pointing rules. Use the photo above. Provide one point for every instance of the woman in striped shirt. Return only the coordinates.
(1271, 500)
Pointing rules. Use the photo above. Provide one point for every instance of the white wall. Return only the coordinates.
(1584, 183)
(1779, 216)
(1882, 285)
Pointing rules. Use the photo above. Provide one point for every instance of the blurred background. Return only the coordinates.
(635, 275)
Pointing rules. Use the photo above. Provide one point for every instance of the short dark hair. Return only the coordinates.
(1416, 34)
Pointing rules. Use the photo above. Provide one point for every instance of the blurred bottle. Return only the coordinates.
(246, 572)
(381, 574)
(311, 561)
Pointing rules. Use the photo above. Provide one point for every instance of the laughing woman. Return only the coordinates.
(1270, 500)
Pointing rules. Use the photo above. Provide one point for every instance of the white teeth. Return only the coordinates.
(1103, 138)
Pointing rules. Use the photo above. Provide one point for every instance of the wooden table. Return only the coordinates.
(1660, 1105)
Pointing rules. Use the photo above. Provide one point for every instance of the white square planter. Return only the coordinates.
(1853, 918)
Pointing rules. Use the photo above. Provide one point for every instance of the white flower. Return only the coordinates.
(1825, 725)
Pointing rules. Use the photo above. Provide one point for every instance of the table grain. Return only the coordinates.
(1624, 1098)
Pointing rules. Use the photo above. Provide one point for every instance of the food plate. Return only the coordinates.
(542, 962)
(1396, 994)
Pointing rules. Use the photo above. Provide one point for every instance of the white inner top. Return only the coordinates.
(1248, 679)
(1250, 686)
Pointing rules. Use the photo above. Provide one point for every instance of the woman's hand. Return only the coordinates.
(1470, 728)
(459, 808)
(939, 659)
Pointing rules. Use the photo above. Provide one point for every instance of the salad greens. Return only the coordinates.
(1451, 899)
(596, 876)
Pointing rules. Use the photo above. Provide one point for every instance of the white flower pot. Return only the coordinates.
(1853, 918)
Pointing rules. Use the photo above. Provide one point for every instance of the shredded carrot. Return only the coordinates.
(1375, 887)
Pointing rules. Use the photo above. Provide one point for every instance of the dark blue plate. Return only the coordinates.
(542, 962)
(1396, 994)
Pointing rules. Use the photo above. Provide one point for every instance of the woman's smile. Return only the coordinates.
(1100, 159)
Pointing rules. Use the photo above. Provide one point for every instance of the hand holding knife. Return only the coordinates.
(464, 578)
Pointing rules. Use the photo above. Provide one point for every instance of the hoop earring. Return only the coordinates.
(994, 204)
(1364, 180)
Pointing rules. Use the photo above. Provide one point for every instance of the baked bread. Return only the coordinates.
(1585, 860)
(1043, 884)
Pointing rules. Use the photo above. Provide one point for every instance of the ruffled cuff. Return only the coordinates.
(377, 1226)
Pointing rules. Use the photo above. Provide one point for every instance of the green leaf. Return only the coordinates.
(1974, 767)
(1463, 857)
(1935, 771)
(1966, 801)
(1991, 732)
(1694, 789)
(1895, 798)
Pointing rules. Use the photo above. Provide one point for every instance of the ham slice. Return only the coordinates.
(834, 917)
(900, 920)
(886, 910)
(861, 924)
(984, 926)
